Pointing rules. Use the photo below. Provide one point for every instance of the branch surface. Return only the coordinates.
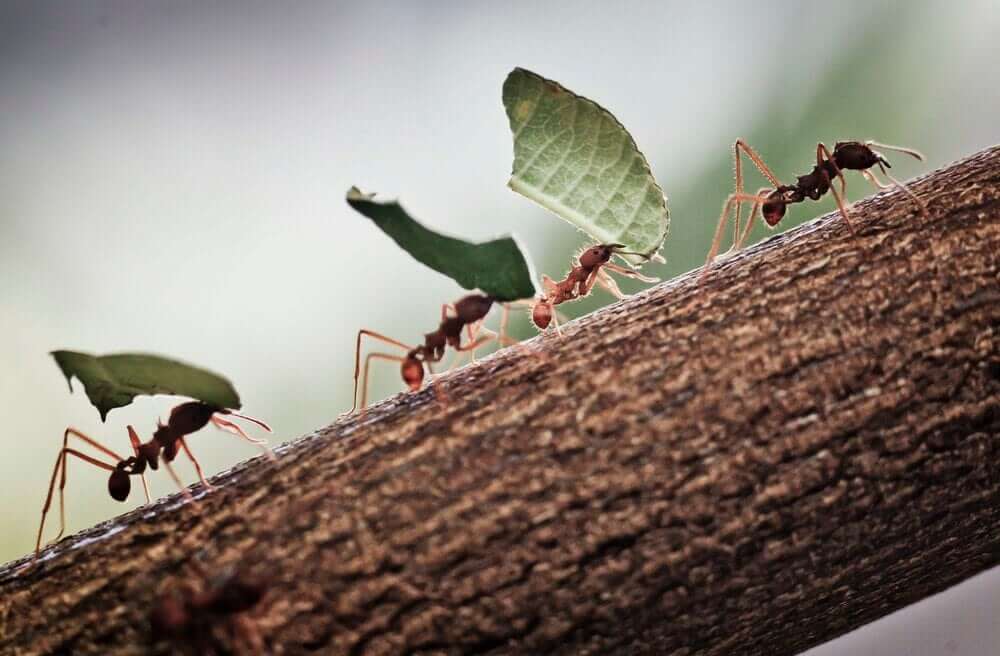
(803, 444)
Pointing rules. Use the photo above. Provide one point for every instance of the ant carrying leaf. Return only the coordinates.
(500, 269)
(574, 158)
(113, 381)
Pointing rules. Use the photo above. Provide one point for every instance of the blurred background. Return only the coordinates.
(172, 178)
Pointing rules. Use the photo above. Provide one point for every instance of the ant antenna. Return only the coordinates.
(916, 154)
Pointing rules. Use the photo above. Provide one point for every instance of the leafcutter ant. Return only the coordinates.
(210, 614)
(185, 419)
(466, 314)
(773, 201)
(592, 268)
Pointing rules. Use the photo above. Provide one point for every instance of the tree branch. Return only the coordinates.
(803, 444)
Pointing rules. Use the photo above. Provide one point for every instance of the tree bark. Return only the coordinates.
(803, 443)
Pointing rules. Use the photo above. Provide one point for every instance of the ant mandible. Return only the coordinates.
(773, 201)
(193, 614)
(592, 268)
(468, 313)
(185, 419)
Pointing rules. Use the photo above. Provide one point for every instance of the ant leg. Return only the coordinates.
(821, 152)
(357, 359)
(608, 283)
(906, 190)
(61, 462)
(177, 479)
(878, 184)
(133, 437)
(197, 466)
(717, 239)
(368, 360)
(754, 212)
(502, 336)
(555, 321)
(629, 273)
(476, 344)
(62, 481)
(758, 161)
(472, 330)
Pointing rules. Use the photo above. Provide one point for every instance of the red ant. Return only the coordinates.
(593, 265)
(468, 314)
(185, 419)
(772, 202)
(201, 614)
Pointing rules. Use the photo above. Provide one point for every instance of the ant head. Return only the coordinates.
(119, 484)
(189, 417)
(773, 209)
(597, 255)
(412, 370)
(541, 313)
(472, 308)
(856, 156)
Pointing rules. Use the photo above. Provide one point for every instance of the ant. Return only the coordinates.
(185, 419)
(202, 614)
(592, 267)
(468, 313)
(772, 202)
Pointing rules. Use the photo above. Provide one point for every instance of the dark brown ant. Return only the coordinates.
(592, 268)
(185, 419)
(204, 616)
(773, 201)
(466, 314)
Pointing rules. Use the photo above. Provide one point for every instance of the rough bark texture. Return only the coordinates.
(804, 444)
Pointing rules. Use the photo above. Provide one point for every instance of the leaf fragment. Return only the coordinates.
(574, 158)
(113, 381)
(499, 268)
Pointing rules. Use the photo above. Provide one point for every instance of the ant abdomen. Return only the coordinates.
(472, 308)
(855, 156)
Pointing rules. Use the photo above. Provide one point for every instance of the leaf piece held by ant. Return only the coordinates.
(574, 158)
(498, 268)
(113, 381)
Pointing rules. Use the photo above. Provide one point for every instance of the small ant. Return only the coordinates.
(772, 202)
(593, 265)
(207, 614)
(185, 419)
(469, 312)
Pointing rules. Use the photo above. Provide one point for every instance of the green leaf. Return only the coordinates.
(112, 381)
(498, 268)
(574, 158)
